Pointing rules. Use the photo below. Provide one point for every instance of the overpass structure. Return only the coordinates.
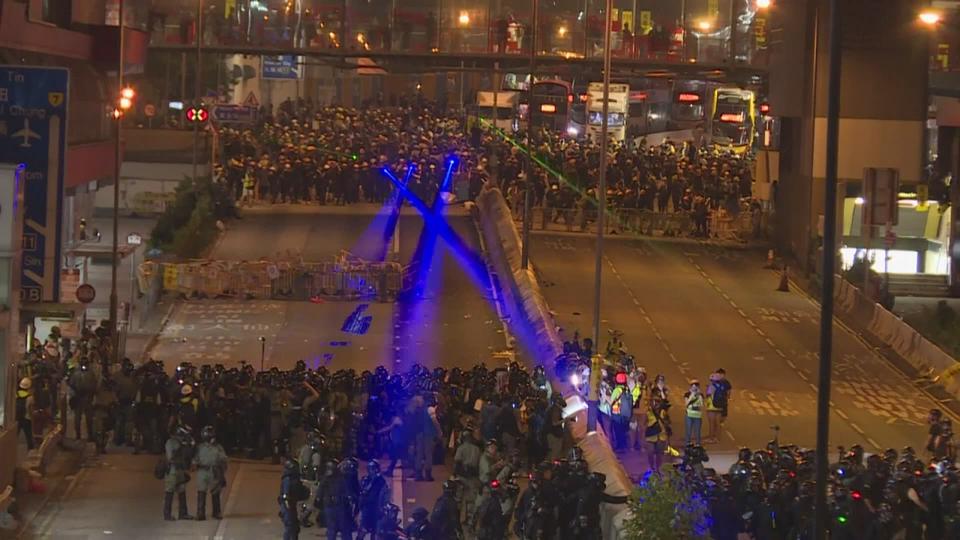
(414, 62)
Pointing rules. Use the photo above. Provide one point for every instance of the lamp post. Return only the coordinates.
(263, 350)
(601, 208)
(124, 102)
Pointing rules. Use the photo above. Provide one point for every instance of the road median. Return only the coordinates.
(537, 332)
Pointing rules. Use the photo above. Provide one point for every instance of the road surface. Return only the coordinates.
(454, 324)
(689, 308)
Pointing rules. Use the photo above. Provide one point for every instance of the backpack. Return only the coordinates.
(161, 468)
(720, 395)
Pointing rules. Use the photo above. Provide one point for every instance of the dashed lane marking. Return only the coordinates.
(842, 414)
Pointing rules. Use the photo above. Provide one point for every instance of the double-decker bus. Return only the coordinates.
(552, 101)
(617, 110)
(690, 104)
(733, 122)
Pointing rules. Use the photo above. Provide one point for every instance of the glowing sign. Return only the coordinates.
(688, 98)
(733, 118)
(638, 96)
(548, 108)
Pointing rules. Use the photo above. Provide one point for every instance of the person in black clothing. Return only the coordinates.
(445, 517)
(421, 528)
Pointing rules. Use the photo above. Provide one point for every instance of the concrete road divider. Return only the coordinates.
(536, 328)
(922, 355)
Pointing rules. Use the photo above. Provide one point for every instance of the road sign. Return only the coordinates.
(251, 101)
(195, 114)
(880, 189)
(234, 114)
(285, 66)
(149, 110)
(86, 293)
(134, 239)
(33, 114)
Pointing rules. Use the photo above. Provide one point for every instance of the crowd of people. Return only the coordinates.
(333, 155)
(500, 430)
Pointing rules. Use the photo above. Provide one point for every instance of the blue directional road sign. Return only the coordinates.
(33, 120)
(285, 66)
(234, 114)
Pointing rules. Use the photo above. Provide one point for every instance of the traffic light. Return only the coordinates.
(197, 114)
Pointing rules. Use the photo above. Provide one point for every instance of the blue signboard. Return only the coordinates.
(234, 114)
(33, 121)
(286, 66)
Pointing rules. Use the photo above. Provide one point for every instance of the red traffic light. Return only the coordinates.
(197, 114)
(764, 108)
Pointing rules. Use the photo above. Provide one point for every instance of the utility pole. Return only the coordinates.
(197, 87)
(527, 217)
(601, 207)
(822, 513)
(117, 160)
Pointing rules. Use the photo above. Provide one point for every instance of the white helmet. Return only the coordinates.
(26, 383)
(186, 390)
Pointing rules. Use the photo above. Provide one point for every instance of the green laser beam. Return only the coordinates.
(547, 167)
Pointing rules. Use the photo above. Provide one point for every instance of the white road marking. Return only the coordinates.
(231, 502)
(396, 490)
(856, 428)
(842, 414)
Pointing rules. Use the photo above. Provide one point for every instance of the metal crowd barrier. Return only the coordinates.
(278, 279)
(721, 225)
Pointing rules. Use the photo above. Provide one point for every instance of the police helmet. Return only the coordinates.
(208, 433)
(291, 464)
(373, 467)
(26, 383)
(420, 513)
(186, 390)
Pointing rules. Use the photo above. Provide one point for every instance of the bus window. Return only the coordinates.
(613, 119)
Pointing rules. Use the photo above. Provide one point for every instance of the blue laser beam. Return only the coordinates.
(390, 229)
(414, 312)
(466, 256)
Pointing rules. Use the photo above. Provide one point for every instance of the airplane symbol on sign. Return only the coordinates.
(26, 134)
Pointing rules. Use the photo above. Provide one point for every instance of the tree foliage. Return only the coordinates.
(188, 225)
(665, 506)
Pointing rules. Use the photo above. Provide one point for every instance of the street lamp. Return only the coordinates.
(263, 350)
(704, 25)
(464, 18)
(763, 4)
(929, 17)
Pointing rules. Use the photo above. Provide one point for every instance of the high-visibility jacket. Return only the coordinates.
(694, 406)
(615, 400)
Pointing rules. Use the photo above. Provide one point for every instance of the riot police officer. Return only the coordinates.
(420, 528)
(311, 460)
(445, 518)
(292, 491)
(388, 526)
(83, 385)
(374, 495)
(491, 524)
(178, 452)
(591, 494)
(466, 467)
(211, 462)
(337, 505)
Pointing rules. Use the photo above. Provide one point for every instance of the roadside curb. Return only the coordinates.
(152, 342)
